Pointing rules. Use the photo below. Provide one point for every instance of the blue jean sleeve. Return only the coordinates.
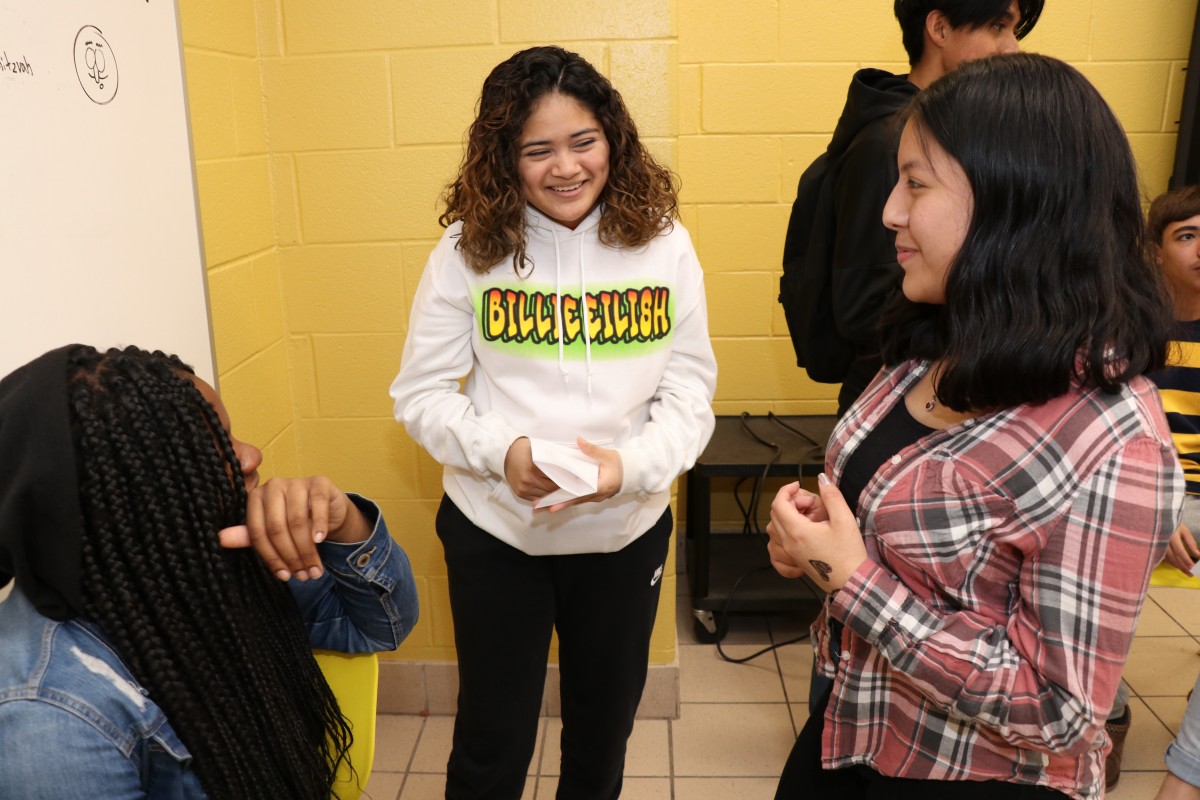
(51, 752)
(366, 600)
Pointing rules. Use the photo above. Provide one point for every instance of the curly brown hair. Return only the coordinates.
(639, 198)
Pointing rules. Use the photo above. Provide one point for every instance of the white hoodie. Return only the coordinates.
(639, 378)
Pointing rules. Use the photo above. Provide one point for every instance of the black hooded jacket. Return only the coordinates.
(839, 261)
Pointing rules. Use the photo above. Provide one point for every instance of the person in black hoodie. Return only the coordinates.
(839, 261)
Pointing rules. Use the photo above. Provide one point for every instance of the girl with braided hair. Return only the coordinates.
(158, 641)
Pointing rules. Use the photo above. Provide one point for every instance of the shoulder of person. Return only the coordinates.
(1144, 396)
(447, 268)
(78, 673)
(447, 247)
(672, 241)
(1086, 427)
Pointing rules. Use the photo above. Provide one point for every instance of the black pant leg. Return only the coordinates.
(502, 602)
(803, 776)
(607, 605)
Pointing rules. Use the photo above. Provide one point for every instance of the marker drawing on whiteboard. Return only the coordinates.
(96, 65)
(20, 67)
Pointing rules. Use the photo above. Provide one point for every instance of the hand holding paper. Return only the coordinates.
(576, 474)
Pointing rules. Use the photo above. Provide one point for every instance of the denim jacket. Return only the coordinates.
(74, 723)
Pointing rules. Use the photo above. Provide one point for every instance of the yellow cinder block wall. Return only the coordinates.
(363, 109)
(233, 175)
(324, 133)
(761, 85)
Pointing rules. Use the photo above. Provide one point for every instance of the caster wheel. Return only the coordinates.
(705, 628)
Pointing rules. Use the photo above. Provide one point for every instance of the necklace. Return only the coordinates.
(932, 402)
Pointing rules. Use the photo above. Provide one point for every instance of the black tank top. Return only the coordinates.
(895, 432)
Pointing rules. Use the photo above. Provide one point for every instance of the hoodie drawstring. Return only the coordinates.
(587, 333)
(558, 314)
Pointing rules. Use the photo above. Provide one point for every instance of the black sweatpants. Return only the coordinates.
(505, 605)
(803, 777)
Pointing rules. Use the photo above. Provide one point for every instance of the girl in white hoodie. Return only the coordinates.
(570, 299)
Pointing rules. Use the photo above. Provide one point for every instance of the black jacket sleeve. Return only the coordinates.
(865, 272)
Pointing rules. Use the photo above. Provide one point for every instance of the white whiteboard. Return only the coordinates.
(99, 230)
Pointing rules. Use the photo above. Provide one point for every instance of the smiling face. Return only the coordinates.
(1179, 256)
(930, 211)
(562, 159)
(249, 457)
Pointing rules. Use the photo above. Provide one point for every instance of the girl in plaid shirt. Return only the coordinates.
(997, 498)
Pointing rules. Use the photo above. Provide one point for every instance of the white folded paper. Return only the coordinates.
(1196, 569)
(576, 474)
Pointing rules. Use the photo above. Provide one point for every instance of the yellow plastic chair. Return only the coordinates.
(1166, 575)
(355, 682)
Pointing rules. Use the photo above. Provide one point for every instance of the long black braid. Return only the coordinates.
(209, 632)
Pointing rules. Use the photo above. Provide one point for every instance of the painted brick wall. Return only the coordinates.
(761, 85)
(364, 106)
(324, 133)
(233, 175)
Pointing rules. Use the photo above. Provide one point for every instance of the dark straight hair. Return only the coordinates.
(911, 14)
(1051, 284)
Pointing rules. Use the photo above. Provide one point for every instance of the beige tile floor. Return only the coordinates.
(738, 721)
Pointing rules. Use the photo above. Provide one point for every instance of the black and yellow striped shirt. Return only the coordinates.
(1179, 386)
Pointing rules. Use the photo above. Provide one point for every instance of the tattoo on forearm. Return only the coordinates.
(822, 568)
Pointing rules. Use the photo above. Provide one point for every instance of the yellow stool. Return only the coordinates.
(355, 682)
(1166, 575)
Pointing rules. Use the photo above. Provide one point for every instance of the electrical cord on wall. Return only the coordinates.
(721, 621)
(751, 514)
(749, 521)
(750, 526)
(816, 446)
